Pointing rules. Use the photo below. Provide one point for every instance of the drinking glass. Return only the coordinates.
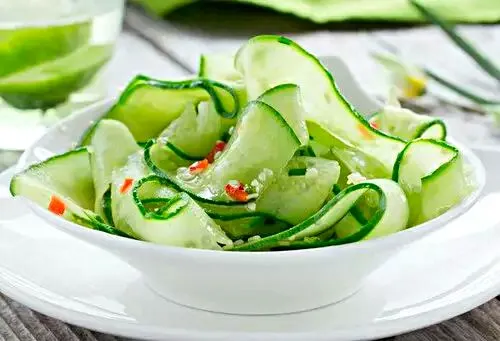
(52, 59)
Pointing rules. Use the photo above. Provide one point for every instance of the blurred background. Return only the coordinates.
(56, 56)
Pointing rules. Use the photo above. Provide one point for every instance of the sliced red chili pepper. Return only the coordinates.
(365, 132)
(236, 192)
(375, 124)
(56, 205)
(127, 184)
(219, 147)
(198, 166)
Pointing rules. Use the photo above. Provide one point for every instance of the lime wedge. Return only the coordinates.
(22, 48)
(49, 84)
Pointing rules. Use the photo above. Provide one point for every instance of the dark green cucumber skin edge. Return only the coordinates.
(177, 151)
(101, 227)
(423, 128)
(220, 216)
(171, 201)
(356, 213)
(481, 61)
(437, 171)
(142, 81)
(159, 172)
(273, 90)
(280, 239)
(362, 120)
(155, 169)
(203, 83)
(106, 207)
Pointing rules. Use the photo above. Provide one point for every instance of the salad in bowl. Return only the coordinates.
(253, 188)
(259, 152)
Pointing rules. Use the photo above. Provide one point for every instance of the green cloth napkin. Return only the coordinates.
(321, 11)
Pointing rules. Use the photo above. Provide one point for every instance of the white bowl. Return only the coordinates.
(241, 282)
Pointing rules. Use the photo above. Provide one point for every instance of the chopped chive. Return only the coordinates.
(106, 207)
(306, 151)
(466, 46)
(310, 151)
(297, 171)
(336, 189)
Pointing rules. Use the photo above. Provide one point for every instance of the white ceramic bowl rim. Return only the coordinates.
(386, 241)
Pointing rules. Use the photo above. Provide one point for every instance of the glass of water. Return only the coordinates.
(52, 57)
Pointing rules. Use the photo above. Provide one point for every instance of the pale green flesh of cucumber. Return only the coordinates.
(288, 200)
(244, 157)
(169, 158)
(195, 132)
(148, 106)
(219, 67)
(424, 205)
(391, 217)
(426, 169)
(354, 159)
(189, 227)
(181, 223)
(286, 100)
(111, 145)
(294, 198)
(48, 179)
(123, 205)
(407, 125)
(40, 181)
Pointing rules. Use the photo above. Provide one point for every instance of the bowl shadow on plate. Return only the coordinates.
(358, 309)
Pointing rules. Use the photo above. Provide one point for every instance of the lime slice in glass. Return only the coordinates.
(51, 83)
(21, 48)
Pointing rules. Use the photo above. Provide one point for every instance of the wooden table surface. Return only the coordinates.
(170, 48)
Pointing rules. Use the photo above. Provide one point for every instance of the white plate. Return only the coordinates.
(448, 273)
